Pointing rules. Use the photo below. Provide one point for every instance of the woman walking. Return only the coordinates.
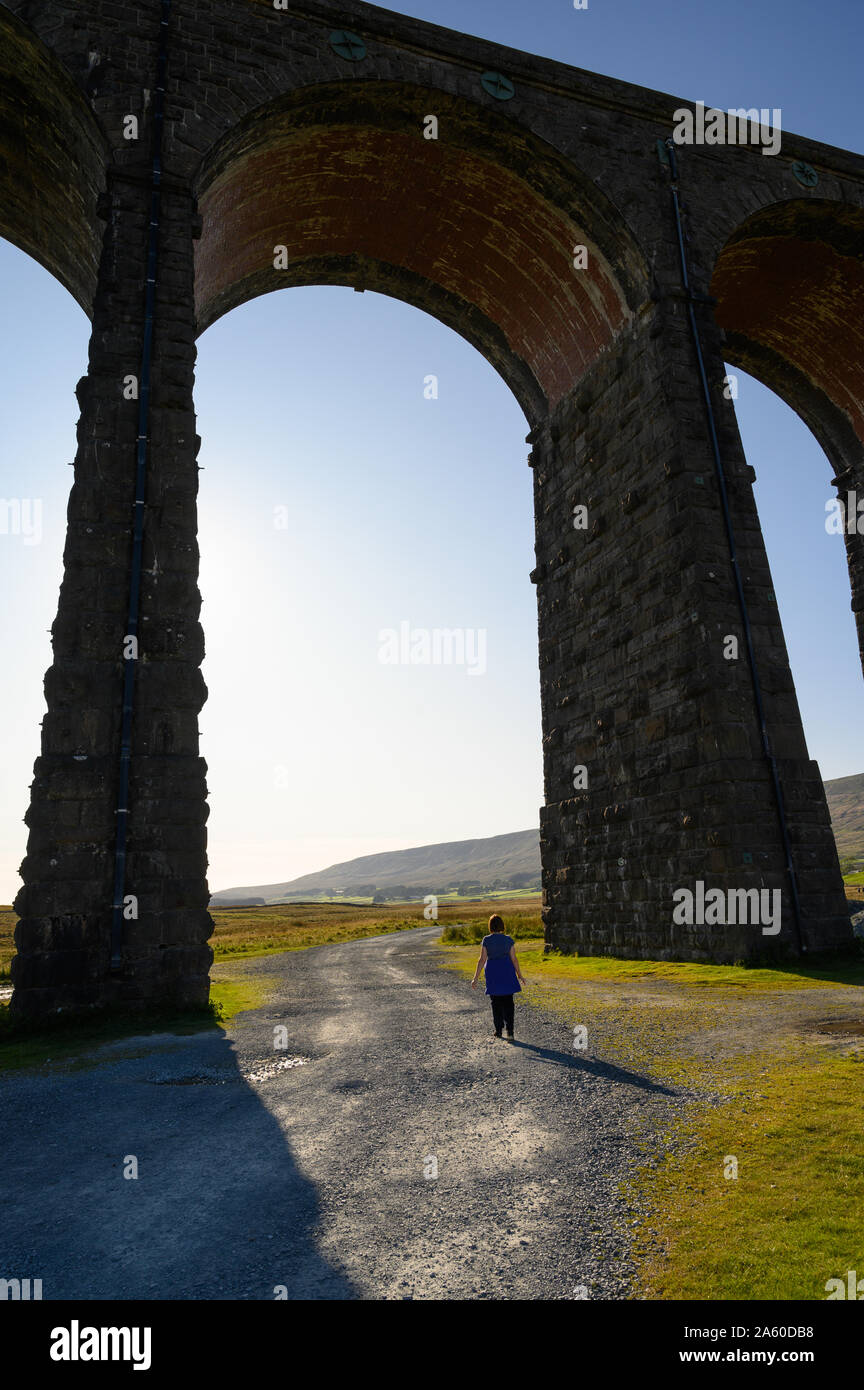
(503, 975)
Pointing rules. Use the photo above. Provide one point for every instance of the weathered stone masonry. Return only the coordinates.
(277, 132)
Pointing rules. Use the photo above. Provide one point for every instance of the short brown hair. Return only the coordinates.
(496, 923)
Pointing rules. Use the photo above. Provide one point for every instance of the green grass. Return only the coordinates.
(520, 925)
(847, 971)
(794, 1217)
(230, 996)
(553, 965)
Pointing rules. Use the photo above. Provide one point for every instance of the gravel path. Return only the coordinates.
(310, 1169)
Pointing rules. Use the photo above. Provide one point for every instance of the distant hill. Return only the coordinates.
(496, 861)
(846, 805)
(502, 861)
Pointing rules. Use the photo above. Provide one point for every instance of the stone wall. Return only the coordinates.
(635, 608)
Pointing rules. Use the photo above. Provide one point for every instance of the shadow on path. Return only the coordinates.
(219, 1207)
(606, 1070)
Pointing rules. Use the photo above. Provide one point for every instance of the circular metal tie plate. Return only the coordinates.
(805, 174)
(348, 45)
(498, 86)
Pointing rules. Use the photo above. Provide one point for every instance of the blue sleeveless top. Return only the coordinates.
(500, 972)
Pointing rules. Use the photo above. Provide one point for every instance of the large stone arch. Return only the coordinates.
(477, 227)
(789, 284)
(287, 132)
(53, 154)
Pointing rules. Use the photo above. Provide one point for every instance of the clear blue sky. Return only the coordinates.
(401, 508)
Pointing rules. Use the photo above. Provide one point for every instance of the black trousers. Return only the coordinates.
(502, 1012)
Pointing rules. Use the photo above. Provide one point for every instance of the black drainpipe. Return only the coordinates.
(691, 298)
(130, 663)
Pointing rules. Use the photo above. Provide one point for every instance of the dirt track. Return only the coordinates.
(254, 1174)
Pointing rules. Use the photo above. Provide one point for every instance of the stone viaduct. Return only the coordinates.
(305, 127)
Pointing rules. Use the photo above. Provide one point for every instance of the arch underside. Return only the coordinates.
(52, 162)
(481, 237)
(790, 290)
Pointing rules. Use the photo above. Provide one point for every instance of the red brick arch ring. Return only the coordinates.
(477, 227)
(790, 288)
(789, 283)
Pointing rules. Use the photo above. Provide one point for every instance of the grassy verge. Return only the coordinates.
(729, 977)
(230, 995)
(72, 1041)
(792, 1219)
(780, 1102)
